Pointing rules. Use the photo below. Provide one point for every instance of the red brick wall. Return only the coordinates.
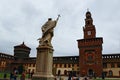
(91, 48)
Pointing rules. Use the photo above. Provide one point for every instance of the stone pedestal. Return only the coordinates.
(44, 63)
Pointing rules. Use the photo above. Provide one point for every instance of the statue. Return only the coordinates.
(48, 32)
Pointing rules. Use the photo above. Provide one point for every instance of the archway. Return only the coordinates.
(59, 72)
(90, 72)
(65, 72)
(110, 73)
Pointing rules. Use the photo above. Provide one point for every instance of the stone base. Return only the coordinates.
(39, 76)
(43, 78)
(44, 63)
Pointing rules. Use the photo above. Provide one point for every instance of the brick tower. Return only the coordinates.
(21, 51)
(90, 50)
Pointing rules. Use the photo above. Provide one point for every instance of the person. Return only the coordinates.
(22, 76)
(11, 76)
(5, 75)
(103, 75)
(15, 76)
(86, 78)
(31, 74)
(70, 76)
(47, 32)
(94, 75)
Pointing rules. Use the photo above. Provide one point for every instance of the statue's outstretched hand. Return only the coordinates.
(59, 15)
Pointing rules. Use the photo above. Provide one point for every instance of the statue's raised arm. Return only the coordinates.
(58, 17)
(48, 32)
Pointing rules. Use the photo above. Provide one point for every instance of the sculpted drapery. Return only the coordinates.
(48, 32)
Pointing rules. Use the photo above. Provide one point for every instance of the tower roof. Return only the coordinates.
(22, 46)
(88, 14)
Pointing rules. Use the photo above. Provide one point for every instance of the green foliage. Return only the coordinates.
(8, 75)
(2, 75)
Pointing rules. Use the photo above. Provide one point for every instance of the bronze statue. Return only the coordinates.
(48, 32)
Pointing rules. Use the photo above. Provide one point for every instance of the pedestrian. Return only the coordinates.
(5, 75)
(69, 77)
(11, 76)
(103, 75)
(94, 75)
(22, 76)
(15, 76)
(32, 73)
(86, 78)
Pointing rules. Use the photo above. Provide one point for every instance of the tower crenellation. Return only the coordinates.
(91, 41)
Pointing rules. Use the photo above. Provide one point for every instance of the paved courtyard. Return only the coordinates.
(66, 78)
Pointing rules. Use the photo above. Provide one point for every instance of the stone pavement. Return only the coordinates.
(58, 78)
(66, 78)
(73, 78)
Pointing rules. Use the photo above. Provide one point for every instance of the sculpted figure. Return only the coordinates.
(48, 32)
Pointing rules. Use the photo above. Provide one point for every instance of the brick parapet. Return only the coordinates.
(90, 42)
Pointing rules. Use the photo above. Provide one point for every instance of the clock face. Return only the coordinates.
(89, 32)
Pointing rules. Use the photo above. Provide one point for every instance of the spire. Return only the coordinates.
(87, 9)
(89, 29)
(23, 43)
(88, 14)
(88, 20)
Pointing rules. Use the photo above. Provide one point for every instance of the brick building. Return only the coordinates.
(90, 50)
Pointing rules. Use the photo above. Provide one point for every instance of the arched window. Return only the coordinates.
(119, 73)
(110, 73)
(65, 65)
(59, 72)
(112, 65)
(90, 72)
(65, 72)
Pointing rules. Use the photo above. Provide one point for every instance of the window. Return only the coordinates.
(69, 65)
(65, 65)
(33, 65)
(88, 22)
(90, 57)
(60, 65)
(119, 73)
(77, 65)
(59, 72)
(55, 65)
(110, 73)
(112, 65)
(118, 65)
(65, 72)
(104, 65)
(72, 65)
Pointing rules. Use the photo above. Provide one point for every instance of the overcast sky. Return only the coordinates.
(21, 20)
